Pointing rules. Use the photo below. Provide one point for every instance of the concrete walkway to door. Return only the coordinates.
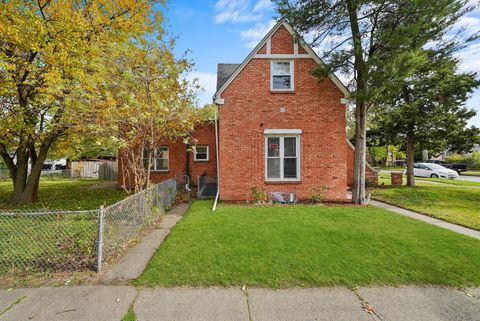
(132, 264)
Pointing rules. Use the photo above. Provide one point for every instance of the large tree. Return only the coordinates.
(426, 110)
(49, 60)
(355, 34)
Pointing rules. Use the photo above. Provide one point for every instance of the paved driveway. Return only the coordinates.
(107, 303)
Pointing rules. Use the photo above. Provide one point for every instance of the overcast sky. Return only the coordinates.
(225, 31)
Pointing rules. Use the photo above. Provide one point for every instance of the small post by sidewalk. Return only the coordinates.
(101, 213)
(396, 178)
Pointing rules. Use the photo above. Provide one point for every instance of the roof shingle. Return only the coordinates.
(224, 71)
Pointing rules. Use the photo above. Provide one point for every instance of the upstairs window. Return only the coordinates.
(159, 158)
(281, 75)
(201, 153)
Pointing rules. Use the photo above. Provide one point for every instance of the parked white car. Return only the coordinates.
(433, 170)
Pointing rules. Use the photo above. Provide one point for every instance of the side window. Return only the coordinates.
(159, 161)
(201, 153)
(281, 75)
(282, 158)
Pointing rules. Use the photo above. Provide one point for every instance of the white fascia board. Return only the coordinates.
(266, 41)
(317, 59)
(219, 101)
(249, 57)
(282, 131)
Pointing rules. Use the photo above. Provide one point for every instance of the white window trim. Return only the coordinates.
(269, 131)
(292, 75)
(195, 154)
(282, 179)
(155, 163)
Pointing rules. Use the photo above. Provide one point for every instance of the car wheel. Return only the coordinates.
(434, 176)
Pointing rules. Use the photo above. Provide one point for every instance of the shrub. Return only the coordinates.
(472, 161)
(316, 194)
(258, 194)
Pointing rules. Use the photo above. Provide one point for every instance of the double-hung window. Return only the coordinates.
(281, 75)
(158, 158)
(282, 158)
(201, 153)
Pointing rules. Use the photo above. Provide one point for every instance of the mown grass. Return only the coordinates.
(448, 181)
(308, 246)
(455, 204)
(391, 168)
(471, 173)
(66, 194)
(54, 242)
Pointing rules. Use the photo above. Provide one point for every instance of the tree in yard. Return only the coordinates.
(147, 102)
(426, 109)
(356, 34)
(49, 62)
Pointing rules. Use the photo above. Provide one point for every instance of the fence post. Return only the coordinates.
(101, 213)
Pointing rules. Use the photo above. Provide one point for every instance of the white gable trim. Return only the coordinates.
(266, 41)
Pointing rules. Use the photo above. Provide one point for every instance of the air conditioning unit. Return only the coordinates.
(283, 197)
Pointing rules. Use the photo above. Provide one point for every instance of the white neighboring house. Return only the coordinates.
(56, 167)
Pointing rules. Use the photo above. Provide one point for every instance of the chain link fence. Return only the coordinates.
(121, 223)
(60, 241)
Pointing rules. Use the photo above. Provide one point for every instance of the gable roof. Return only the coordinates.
(222, 85)
(224, 71)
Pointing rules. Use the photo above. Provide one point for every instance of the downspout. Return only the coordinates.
(218, 159)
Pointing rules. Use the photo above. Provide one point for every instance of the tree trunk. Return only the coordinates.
(25, 185)
(358, 196)
(410, 151)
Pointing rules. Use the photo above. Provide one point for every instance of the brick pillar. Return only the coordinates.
(396, 178)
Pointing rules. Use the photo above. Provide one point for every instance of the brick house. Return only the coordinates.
(279, 128)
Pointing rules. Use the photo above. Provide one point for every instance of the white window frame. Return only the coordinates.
(195, 154)
(155, 163)
(281, 143)
(292, 73)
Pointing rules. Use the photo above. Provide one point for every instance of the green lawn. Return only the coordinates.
(471, 173)
(308, 246)
(391, 168)
(455, 204)
(54, 242)
(66, 194)
(384, 179)
(448, 181)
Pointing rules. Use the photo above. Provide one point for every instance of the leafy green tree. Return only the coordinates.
(378, 154)
(49, 61)
(427, 109)
(359, 34)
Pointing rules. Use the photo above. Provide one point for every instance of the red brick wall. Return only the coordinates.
(263, 50)
(250, 108)
(204, 134)
(282, 42)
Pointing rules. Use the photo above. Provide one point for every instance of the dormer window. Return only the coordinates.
(281, 78)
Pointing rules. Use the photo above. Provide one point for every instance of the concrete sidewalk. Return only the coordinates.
(224, 304)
